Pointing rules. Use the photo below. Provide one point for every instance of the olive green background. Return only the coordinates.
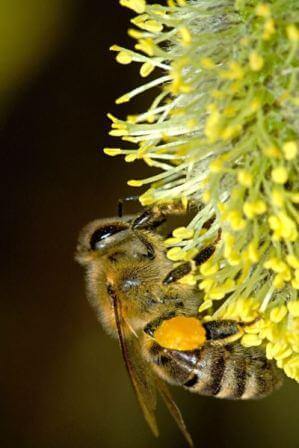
(62, 380)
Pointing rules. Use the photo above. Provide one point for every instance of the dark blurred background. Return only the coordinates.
(63, 383)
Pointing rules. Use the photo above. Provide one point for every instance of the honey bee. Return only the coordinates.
(135, 292)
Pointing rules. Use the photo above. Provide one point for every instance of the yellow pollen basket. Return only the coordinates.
(180, 333)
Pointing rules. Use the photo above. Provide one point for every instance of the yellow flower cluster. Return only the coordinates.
(224, 132)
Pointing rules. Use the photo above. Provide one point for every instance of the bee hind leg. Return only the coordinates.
(223, 331)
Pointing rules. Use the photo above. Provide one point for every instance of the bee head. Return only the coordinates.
(100, 236)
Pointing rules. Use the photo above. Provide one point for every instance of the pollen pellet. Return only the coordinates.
(180, 333)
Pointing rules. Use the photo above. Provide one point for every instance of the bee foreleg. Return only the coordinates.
(151, 254)
(149, 219)
(178, 273)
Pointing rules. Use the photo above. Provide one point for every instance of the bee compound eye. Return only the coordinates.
(103, 233)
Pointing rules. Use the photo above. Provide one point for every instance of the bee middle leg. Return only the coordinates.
(178, 273)
(185, 268)
(153, 217)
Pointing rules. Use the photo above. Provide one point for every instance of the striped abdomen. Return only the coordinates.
(229, 371)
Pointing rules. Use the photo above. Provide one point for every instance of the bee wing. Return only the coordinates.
(144, 380)
(173, 409)
(138, 369)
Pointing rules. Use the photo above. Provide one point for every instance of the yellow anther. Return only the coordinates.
(269, 29)
(212, 107)
(255, 328)
(259, 207)
(293, 338)
(209, 268)
(207, 63)
(278, 313)
(272, 151)
(230, 111)
(231, 131)
(278, 281)
(122, 99)
(245, 178)
(132, 119)
(255, 105)
(295, 283)
(228, 238)
(131, 158)
(188, 280)
(235, 71)
(292, 261)
(192, 123)
(279, 175)
(135, 183)
(251, 340)
(236, 221)
(183, 233)
(135, 34)
(290, 150)
(292, 33)
(256, 61)
(124, 57)
(235, 87)
(212, 126)
(185, 35)
(283, 227)
(205, 306)
(291, 367)
(263, 10)
(233, 258)
(112, 151)
(146, 45)
(253, 253)
(175, 254)
(293, 308)
(278, 350)
(277, 197)
(216, 166)
(136, 5)
(295, 197)
(171, 241)
(146, 69)
(251, 209)
(118, 132)
(218, 292)
(147, 198)
(184, 201)
(113, 118)
(206, 196)
(152, 26)
(206, 284)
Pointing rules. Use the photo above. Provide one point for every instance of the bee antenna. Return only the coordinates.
(122, 201)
